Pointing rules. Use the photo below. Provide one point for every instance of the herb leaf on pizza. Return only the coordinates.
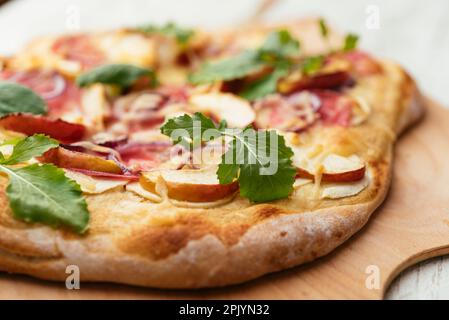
(122, 75)
(15, 98)
(42, 193)
(254, 158)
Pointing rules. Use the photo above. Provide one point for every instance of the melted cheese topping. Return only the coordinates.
(91, 185)
(136, 188)
(124, 47)
(343, 190)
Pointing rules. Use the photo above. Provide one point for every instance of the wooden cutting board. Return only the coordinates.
(412, 225)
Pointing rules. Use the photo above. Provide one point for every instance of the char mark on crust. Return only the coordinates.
(162, 239)
(169, 237)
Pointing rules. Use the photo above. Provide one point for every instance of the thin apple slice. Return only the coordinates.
(343, 190)
(196, 185)
(224, 106)
(203, 205)
(94, 185)
(68, 159)
(335, 168)
(137, 188)
(148, 180)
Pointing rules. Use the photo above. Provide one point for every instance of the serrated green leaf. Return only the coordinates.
(227, 69)
(228, 169)
(122, 75)
(276, 186)
(280, 44)
(277, 49)
(264, 86)
(188, 127)
(227, 172)
(259, 160)
(323, 28)
(351, 42)
(15, 98)
(42, 193)
(30, 147)
(182, 35)
(312, 64)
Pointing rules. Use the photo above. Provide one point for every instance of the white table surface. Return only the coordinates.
(414, 32)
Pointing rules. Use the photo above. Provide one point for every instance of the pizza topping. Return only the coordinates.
(196, 185)
(361, 64)
(42, 193)
(321, 80)
(275, 55)
(17, 98)
(47, 84)
(69, 159)
(301, 110)
(122, 75)
(182, 35)
(61, 95)
(351, 42)
(246, 159)
(148, 156)
(174, 94)
(137, 188)
(344, 190)
(149, 180)
(294, 113)
(107, 175)
(333, 168)
(79, 48)
(140, 111)
(30, 124)
(235, 111)
(335, 109)
(300, 182)
(92, 149)
(203, 205)
(95, 184)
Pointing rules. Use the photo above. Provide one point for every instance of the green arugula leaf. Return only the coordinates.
(280, 44)
(190, 129)
(312, 64)
(264, 86)
(182, 35)
(16, 98)
(278, 48)
(324, 28)
(30, 147)
(277, 185)
(249, 159)
(351, 42)
(42, 193)
(123, 75)
(232, 68)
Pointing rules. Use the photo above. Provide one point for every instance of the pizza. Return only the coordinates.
(168, 157)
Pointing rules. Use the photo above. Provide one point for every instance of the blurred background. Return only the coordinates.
(413, 32)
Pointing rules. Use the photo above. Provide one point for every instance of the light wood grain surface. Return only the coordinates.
(425, 36)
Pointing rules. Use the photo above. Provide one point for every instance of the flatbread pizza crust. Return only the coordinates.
(172, 247)
(188, 248)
